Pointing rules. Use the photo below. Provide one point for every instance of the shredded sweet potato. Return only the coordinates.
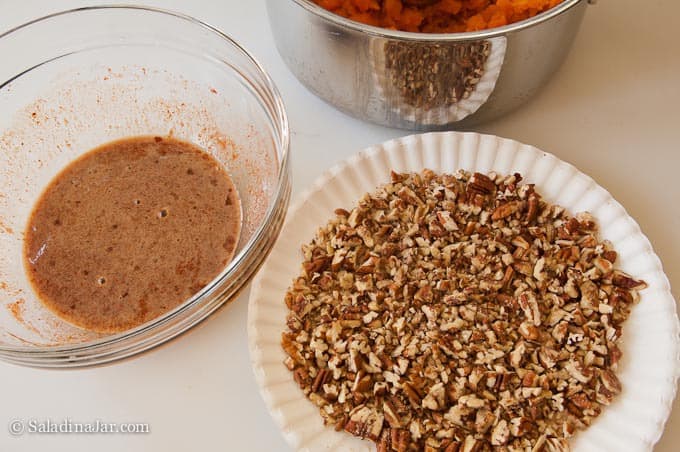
(437, 16)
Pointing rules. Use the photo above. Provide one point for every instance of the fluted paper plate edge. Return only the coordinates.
(650, 367)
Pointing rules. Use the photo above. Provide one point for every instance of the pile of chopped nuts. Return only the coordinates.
(458, 313)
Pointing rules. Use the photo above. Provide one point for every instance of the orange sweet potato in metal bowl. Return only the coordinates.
(437, 16)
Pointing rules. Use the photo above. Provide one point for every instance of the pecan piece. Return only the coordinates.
(625, 281)
(532, 207)
(480, 184)
(505, 210)
(610, 381)
(320, 379)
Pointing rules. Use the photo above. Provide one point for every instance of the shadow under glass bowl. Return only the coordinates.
(123, 71)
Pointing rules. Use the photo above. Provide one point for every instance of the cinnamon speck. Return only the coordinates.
(16, 308)
(4, 228)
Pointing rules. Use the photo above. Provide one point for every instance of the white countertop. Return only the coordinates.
(612, 110)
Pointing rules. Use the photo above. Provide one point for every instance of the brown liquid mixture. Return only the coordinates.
(131, 230)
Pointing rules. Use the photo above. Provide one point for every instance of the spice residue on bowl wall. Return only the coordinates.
(437, 16)
(131, 230)
(189, 111)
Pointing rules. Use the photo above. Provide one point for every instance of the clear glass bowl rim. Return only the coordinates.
(58, 356)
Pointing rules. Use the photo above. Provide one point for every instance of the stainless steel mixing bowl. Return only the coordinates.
(422, 81)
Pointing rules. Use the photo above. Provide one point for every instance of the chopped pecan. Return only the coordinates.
(481, 184)
(505, 210)
(625, 281)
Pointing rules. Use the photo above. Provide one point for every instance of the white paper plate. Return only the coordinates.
(648, 371)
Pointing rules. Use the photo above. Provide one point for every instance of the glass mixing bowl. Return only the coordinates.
(74, 80)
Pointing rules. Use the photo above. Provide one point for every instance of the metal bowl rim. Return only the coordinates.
(379, 32)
